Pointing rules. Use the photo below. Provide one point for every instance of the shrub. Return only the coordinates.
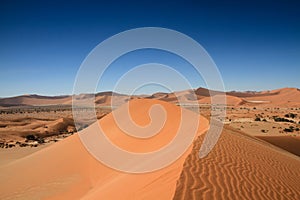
(30, 137)
(280, 119)
(288, 130)
(257, 119)
(40, 140)
(290, 115)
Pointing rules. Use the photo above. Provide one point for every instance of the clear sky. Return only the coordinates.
(255, 44)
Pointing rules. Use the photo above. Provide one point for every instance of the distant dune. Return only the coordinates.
(285, 96)
(34, 100)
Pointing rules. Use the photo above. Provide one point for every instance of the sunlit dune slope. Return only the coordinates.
(66, 170)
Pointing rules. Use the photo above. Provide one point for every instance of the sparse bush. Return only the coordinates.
(290, 115)
(257, 119)
(40, 140)
(30, 137)
(264, 120)
(280, 119)
(288, 130)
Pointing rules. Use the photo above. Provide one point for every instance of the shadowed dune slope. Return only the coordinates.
(66, 170)
(239, 167)
(288, 143)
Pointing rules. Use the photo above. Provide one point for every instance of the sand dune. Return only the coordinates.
(34, 100)
(102, 98)
(239, 167)
(39, 126)
(284, 96)
(66, 170)
(106, 100)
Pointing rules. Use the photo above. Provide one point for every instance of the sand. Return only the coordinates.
(230, 100)
(67, 171)
(286, 97)
(288, 143)
(239, 167)
(12, 154)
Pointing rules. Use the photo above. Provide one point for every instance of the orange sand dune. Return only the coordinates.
(239, 167)
(57, 126)
(66, 170)
(105, 100)
(35, 100)
(102, 98)
(185, 96)
(280, 97)
(24, 126)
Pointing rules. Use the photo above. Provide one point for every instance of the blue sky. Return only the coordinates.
(255, 44)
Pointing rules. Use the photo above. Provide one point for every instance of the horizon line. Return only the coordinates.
(62, 95)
